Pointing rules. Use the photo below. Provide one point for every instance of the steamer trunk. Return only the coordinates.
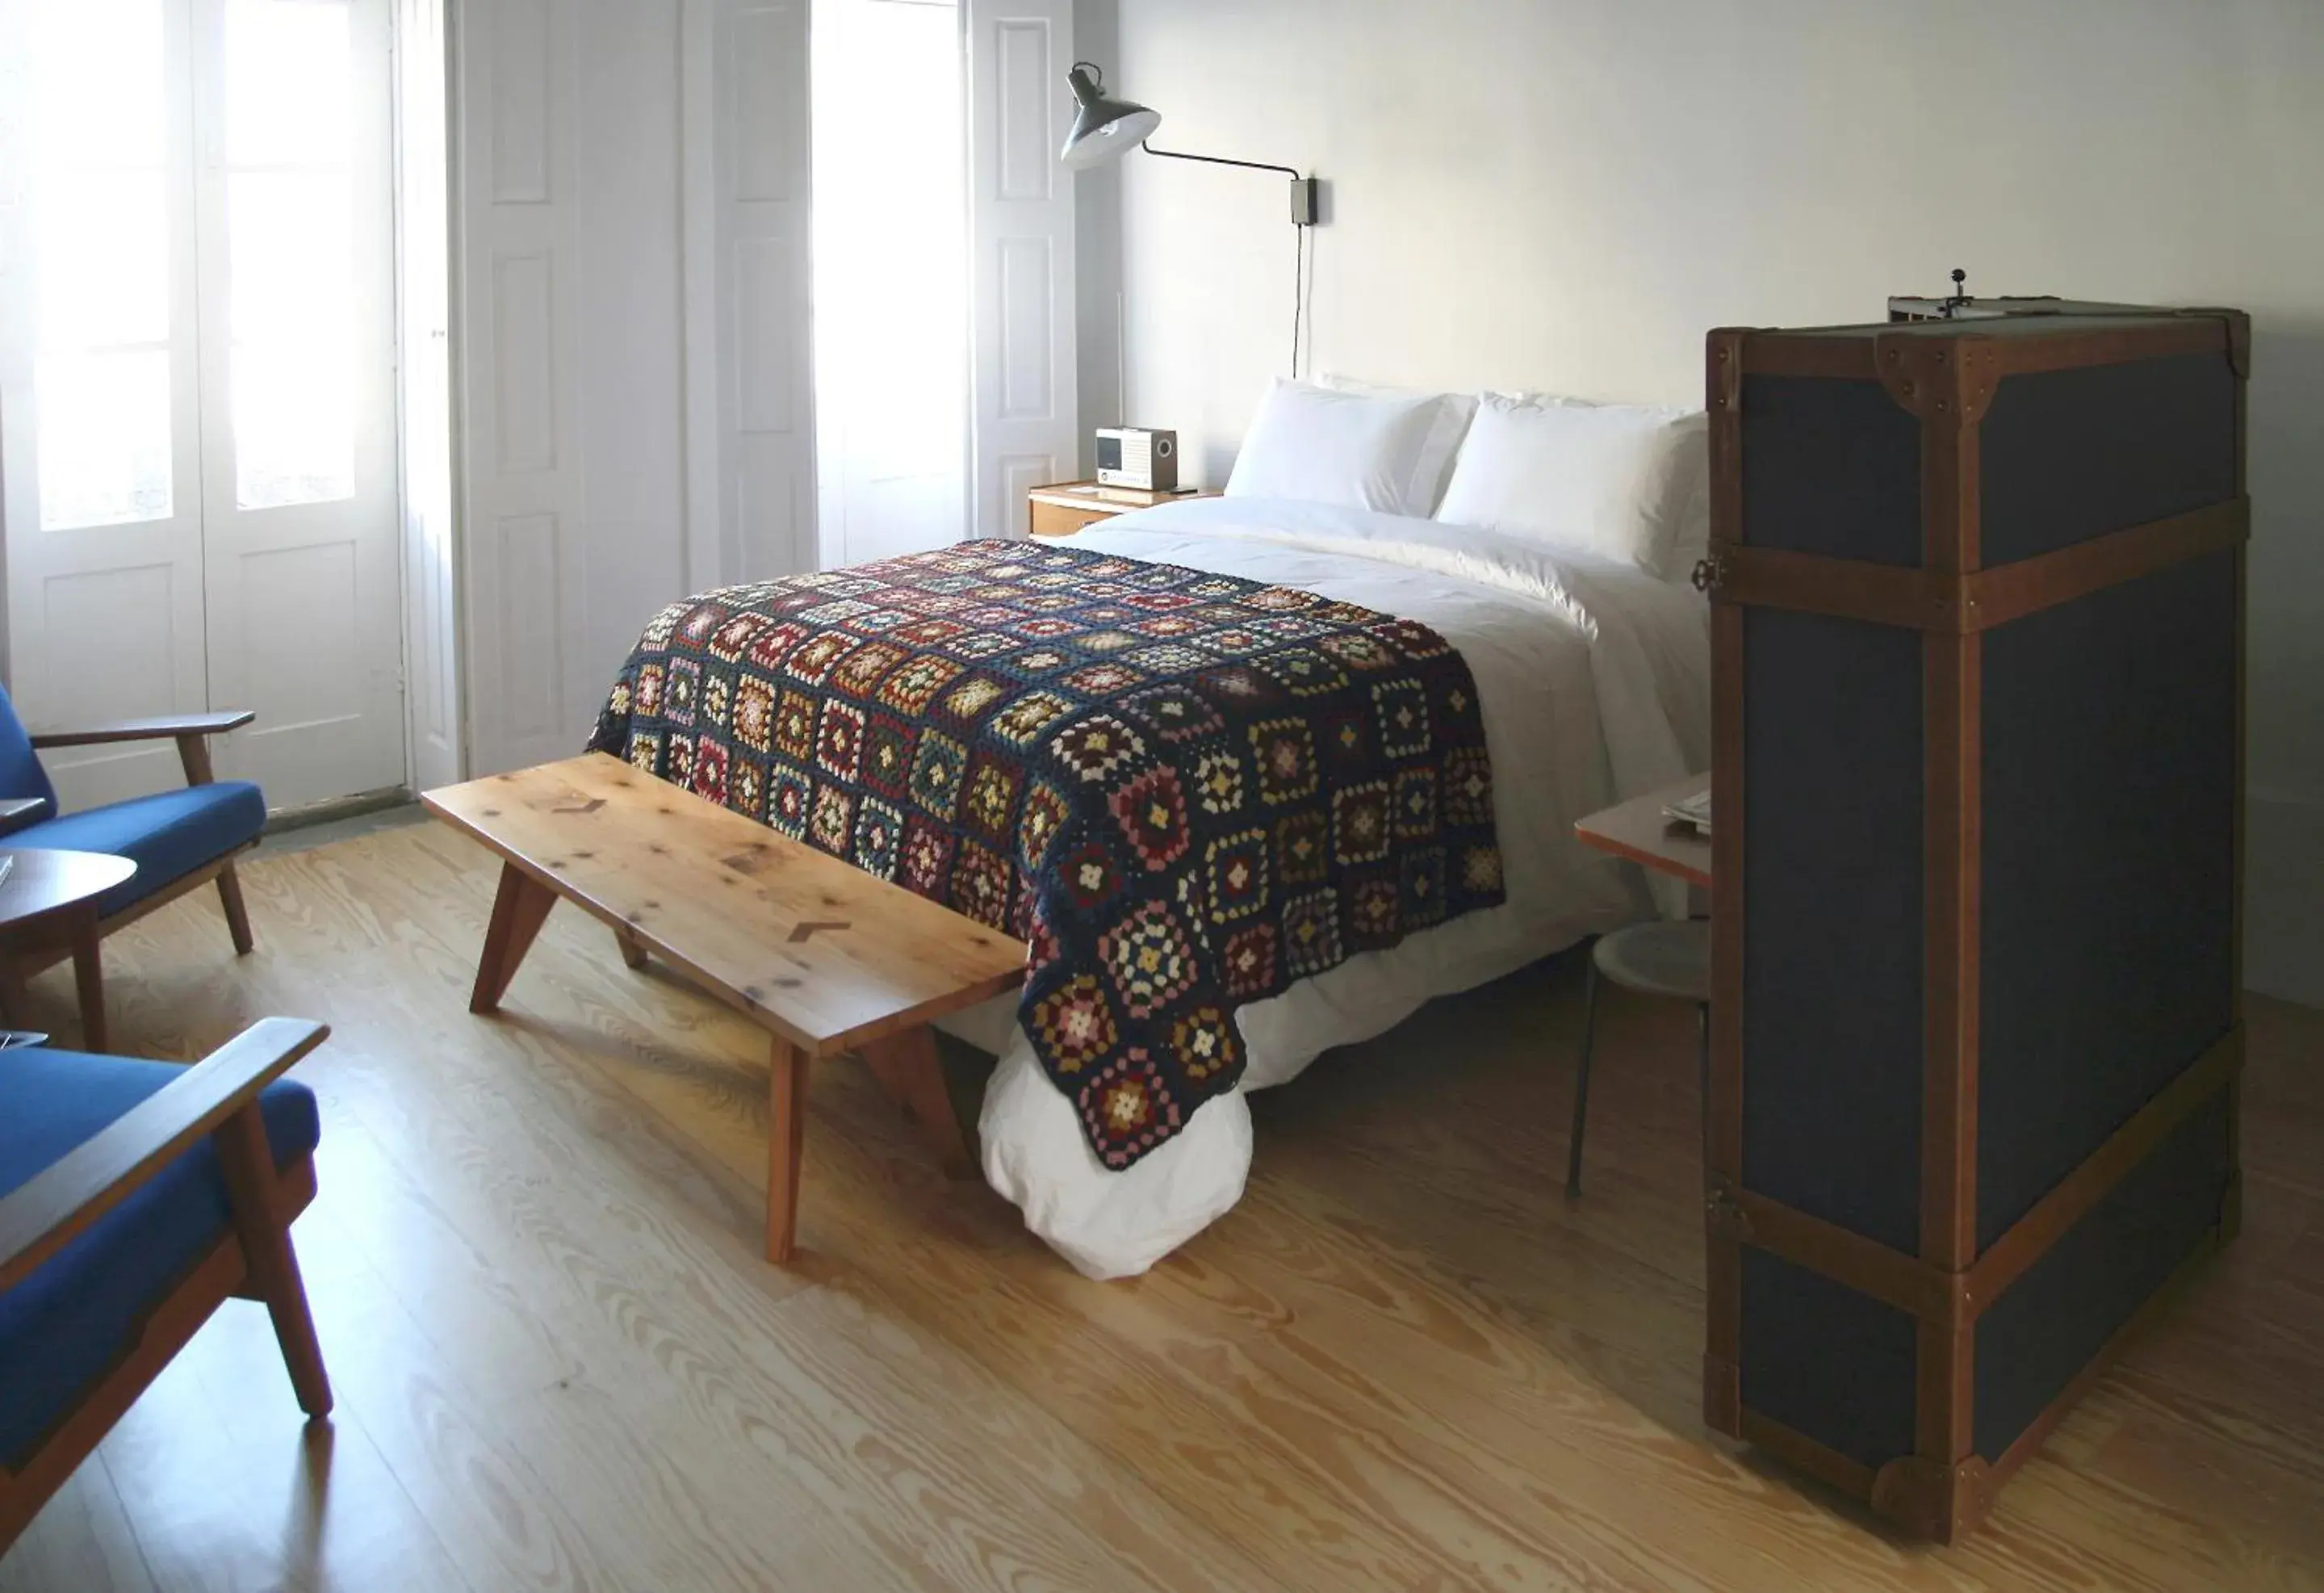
(1978, 635)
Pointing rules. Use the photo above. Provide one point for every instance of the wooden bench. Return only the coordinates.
(826, 958)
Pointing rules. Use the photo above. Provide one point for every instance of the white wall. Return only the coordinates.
(1567, 193)
(1097, 251)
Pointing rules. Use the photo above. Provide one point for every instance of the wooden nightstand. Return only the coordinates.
(1064, 508)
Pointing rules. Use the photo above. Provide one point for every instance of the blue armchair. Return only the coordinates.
(180, 840)
(134, 1197)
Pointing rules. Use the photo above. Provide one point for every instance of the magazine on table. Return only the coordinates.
(1694, 810)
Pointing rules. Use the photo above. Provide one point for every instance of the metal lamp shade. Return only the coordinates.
(1103, 129)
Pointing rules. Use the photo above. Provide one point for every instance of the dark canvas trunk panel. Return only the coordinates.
(1831, 468)
(1826, 1361)
(2074, 454)
(2109, 890)
(2049, 1323)
(1832, 998)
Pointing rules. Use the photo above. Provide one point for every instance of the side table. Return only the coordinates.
(47, 896)
(1658, 958)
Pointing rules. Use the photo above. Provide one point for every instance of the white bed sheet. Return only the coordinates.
(1594, 682)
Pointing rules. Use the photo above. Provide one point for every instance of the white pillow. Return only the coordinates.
(1454, 412)
(1618, 481)
(1693, 543)
(1351, 448)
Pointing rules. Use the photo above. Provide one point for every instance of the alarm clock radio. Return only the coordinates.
(1133, 456)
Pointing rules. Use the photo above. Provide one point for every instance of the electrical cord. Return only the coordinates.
(1299, 265)
(1298, 291)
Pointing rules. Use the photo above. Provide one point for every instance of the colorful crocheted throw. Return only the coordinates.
(1185, 791)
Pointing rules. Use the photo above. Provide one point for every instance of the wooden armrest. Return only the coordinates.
(153, 729)
(47, 1211)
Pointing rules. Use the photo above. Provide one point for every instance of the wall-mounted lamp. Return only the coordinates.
(1106, 129)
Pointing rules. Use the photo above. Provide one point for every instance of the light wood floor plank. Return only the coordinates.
(1405, 1361)
(618, 1303)
(82, 1540)
(226, 1492)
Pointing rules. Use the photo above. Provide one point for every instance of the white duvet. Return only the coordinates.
(1595, 686)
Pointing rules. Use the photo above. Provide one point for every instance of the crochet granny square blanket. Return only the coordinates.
(1184, 790)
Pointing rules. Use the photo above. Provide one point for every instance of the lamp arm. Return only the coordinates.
(1218, 160)
(1302, 216)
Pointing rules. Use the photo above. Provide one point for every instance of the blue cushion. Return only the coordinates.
(21, 775)
(62, 1327)
(166, 835)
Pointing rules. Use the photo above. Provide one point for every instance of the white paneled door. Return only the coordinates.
(762, 270)
(99, 380)
(630, 339)
(431, 588)
(1023, 406)
(296, 203)
(196, 382)
(519, 361)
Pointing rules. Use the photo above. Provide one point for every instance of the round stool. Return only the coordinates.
(1663, 958)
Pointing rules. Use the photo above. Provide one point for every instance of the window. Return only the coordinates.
(290, 254)
(99, 180)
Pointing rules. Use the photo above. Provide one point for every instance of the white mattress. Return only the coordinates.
(1595, 686)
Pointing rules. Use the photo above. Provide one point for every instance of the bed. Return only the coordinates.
(1553, 677)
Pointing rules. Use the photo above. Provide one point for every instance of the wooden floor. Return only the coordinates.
(1404, 1362)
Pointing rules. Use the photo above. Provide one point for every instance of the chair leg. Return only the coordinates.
(1582, 1075)
(246, 1160)
(237, 918)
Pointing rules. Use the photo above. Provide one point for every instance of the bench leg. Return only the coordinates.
(906, 1067)
(518, 911)
(246, 1160)
(633, 950)
(785, 1133)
